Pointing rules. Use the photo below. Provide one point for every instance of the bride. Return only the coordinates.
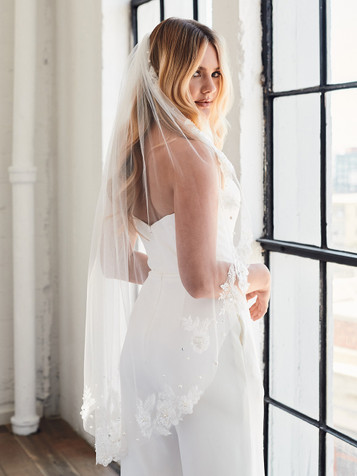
(172, 384)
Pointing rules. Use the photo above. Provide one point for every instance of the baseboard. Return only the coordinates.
(6, 412)
(8, 409)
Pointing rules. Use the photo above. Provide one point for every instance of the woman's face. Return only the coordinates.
(204, 84)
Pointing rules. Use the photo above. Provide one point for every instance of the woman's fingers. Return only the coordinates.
(250, 295)
(258, 309)
(260, 306)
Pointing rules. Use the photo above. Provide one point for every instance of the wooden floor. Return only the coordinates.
(55, 450)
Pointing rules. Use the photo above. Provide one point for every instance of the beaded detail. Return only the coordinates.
(200, 339)
(109, 444)
(157, 414)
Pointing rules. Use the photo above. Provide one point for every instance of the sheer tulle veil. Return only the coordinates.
(149, 122)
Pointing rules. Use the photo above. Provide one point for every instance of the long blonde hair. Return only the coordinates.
(176, 49)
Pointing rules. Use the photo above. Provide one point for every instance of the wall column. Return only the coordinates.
(22, 176)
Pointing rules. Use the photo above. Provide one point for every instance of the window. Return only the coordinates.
(310, 236)
(146, 14)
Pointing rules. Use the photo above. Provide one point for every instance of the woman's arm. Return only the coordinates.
(195, 191)
(196, 188)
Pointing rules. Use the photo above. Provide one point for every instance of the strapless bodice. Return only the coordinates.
(159, 239)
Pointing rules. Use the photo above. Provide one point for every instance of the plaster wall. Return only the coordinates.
(83, 69)
(45, 216)
(78, 70)
(239, 23)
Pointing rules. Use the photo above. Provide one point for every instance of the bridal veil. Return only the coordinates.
(115, 266)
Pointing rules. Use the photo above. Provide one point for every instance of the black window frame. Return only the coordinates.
(135, 4)
(322, 253)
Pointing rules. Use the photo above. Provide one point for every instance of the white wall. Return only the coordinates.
(239, 23)
(6, 333)
(78, 35)
(46, 325)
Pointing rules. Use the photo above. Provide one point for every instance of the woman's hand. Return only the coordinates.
(259, 288)
(259, 308)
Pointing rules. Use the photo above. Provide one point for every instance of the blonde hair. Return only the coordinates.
(176, 50)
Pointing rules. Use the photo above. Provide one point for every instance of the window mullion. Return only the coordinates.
(323, 368)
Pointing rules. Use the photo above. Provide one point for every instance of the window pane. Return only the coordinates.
(342, 348)
(293, 447)
(342, 182)
(341, 458)
(294, 333)
(295, 44)
(205, 12)
(297, 169)
(342, 41)
(179, 8)
(148, 17)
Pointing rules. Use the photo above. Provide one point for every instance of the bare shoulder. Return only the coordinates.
(186, 150)
(187, 158)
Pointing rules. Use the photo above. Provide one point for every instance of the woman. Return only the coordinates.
(172, 381)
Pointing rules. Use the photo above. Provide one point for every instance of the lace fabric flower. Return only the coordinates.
(88, 404)
(200, 332)
(109, 444)
(231, 296)
(187, 402)
(167, 413)
(143, 414)
(158, 414)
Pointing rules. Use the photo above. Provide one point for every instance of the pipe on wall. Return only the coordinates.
(22, 175)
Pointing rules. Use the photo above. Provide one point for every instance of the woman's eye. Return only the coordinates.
(215, 74)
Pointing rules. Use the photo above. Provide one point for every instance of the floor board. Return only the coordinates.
(55, 450)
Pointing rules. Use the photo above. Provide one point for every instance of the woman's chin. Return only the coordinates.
(205, 113)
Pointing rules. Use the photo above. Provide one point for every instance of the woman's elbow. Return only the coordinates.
(199, 288)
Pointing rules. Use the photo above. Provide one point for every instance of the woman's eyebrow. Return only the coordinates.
(202, 67)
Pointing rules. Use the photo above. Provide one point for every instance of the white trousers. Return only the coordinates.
(222, 437)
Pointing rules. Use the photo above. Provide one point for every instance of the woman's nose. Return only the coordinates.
(208, 86)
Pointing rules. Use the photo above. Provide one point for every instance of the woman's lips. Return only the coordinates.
(203, 103)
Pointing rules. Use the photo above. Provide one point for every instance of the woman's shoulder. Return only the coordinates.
(184, 149)
(172, 153)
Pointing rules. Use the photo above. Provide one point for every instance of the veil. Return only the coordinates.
(117, 411)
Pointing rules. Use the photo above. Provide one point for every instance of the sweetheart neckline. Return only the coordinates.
(157, 221)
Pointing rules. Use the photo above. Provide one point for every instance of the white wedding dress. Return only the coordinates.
(209, 423)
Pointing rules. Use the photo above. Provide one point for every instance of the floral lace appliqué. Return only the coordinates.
(144, 414)
(200, 332)
(158, 413)
(242, 275)
(109, 442)
(231, 295)
(109, 445)
(88, 403)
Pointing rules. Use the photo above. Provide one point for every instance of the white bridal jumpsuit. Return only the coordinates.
(200, 411)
